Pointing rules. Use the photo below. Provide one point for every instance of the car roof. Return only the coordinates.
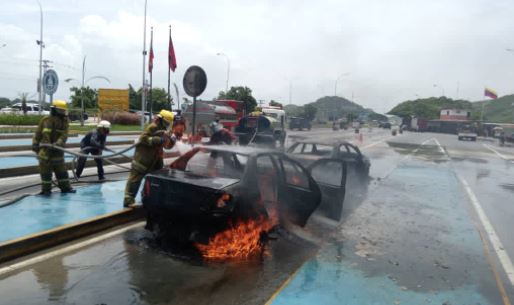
(330, 142)
(241, 150)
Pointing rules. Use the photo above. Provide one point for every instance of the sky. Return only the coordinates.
(379, 53)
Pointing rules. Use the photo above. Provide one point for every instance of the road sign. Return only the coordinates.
(113, 99)
(195, 81)
(50, 82)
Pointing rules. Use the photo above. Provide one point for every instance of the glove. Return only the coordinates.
(35, 148)
(59, 143)
(173, 139)
(157, 140)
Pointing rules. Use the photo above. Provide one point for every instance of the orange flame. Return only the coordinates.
(241, 241)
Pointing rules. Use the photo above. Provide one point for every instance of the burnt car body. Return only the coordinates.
(210, 187)
(339, 168)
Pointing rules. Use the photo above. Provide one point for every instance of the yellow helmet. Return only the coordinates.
(60, 104)
(166, 116)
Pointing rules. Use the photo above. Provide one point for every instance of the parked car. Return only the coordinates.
(339, 168)
(31, 108)
(212, 186)
(74, 115)
(308, 151)
(299, 123)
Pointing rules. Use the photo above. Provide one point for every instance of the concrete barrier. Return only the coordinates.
(50, 238)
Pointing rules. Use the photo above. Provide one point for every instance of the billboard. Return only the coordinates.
(113, 99)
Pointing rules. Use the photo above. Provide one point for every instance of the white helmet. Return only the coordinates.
(104, 124)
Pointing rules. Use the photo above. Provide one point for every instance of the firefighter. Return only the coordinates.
(53, 129)
(149, 153)
(220, 135)
(93, 143)
(179, 125)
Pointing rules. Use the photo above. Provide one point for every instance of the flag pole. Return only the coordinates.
(169, 72)
(150, 98)
(143, 95)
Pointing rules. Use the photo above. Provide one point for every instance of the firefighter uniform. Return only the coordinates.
(149, 153)
(53, 129)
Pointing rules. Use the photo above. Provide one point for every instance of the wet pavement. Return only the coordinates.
(410, 237)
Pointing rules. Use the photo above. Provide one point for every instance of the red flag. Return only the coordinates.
(172, 61)
(151, 56)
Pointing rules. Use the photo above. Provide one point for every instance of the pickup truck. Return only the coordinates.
(467, 132)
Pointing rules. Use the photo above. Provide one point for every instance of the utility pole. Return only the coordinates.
(46, 66)
(41, 46)
(143, 93)
(228, 69)
(82, 92)
(290, 92)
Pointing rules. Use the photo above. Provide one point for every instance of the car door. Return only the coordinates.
(298, 194)
(330, 175)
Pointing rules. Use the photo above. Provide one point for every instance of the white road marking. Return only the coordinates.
(495, 241)
(372, 144)
(67, 249)
(441, 149)
(504, 258)
(496, 152)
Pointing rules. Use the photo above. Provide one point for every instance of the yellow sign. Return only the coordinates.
(113, 99)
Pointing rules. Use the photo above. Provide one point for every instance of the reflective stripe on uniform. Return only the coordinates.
(63, 180)
(46, 182)
(47, 130)
(139, 167)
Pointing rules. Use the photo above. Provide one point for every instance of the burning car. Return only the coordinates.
(214, 191)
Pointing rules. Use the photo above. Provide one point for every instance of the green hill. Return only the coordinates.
(500, 110)
(428, 108)
(330, 108)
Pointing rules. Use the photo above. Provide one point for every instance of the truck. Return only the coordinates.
(207, 112)
(299, 123)
(468, 132)
(261, 129)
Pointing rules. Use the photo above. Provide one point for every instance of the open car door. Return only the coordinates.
(330, 174)
(298, 194)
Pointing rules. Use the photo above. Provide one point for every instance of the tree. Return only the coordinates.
(309, 111)
(23, 98)
(240, 93)
(275, 104)
(87, 93)
(4, 102)
(159, 98)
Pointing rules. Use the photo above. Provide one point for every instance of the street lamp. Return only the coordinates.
(337, 80)
(438, 86)
(85, 82)
(228, 69)
(41, 46)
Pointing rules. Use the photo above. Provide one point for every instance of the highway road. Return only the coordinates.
(432, 227)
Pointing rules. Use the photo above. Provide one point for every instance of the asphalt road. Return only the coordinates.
(129, 268)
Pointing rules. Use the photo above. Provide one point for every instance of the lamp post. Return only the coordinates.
(228, 69)
(83, 82)
(41, 46)
(438, 86)
(337, 80)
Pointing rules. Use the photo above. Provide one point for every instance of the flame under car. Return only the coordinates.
(210, 188)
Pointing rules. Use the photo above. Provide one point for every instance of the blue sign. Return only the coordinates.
(50, 82)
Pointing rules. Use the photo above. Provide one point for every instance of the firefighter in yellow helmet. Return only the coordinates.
(149, 153)
(53, 129)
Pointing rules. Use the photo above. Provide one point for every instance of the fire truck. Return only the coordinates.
(227, 112)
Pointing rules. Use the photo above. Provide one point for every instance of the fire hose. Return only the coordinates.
(76, 155)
